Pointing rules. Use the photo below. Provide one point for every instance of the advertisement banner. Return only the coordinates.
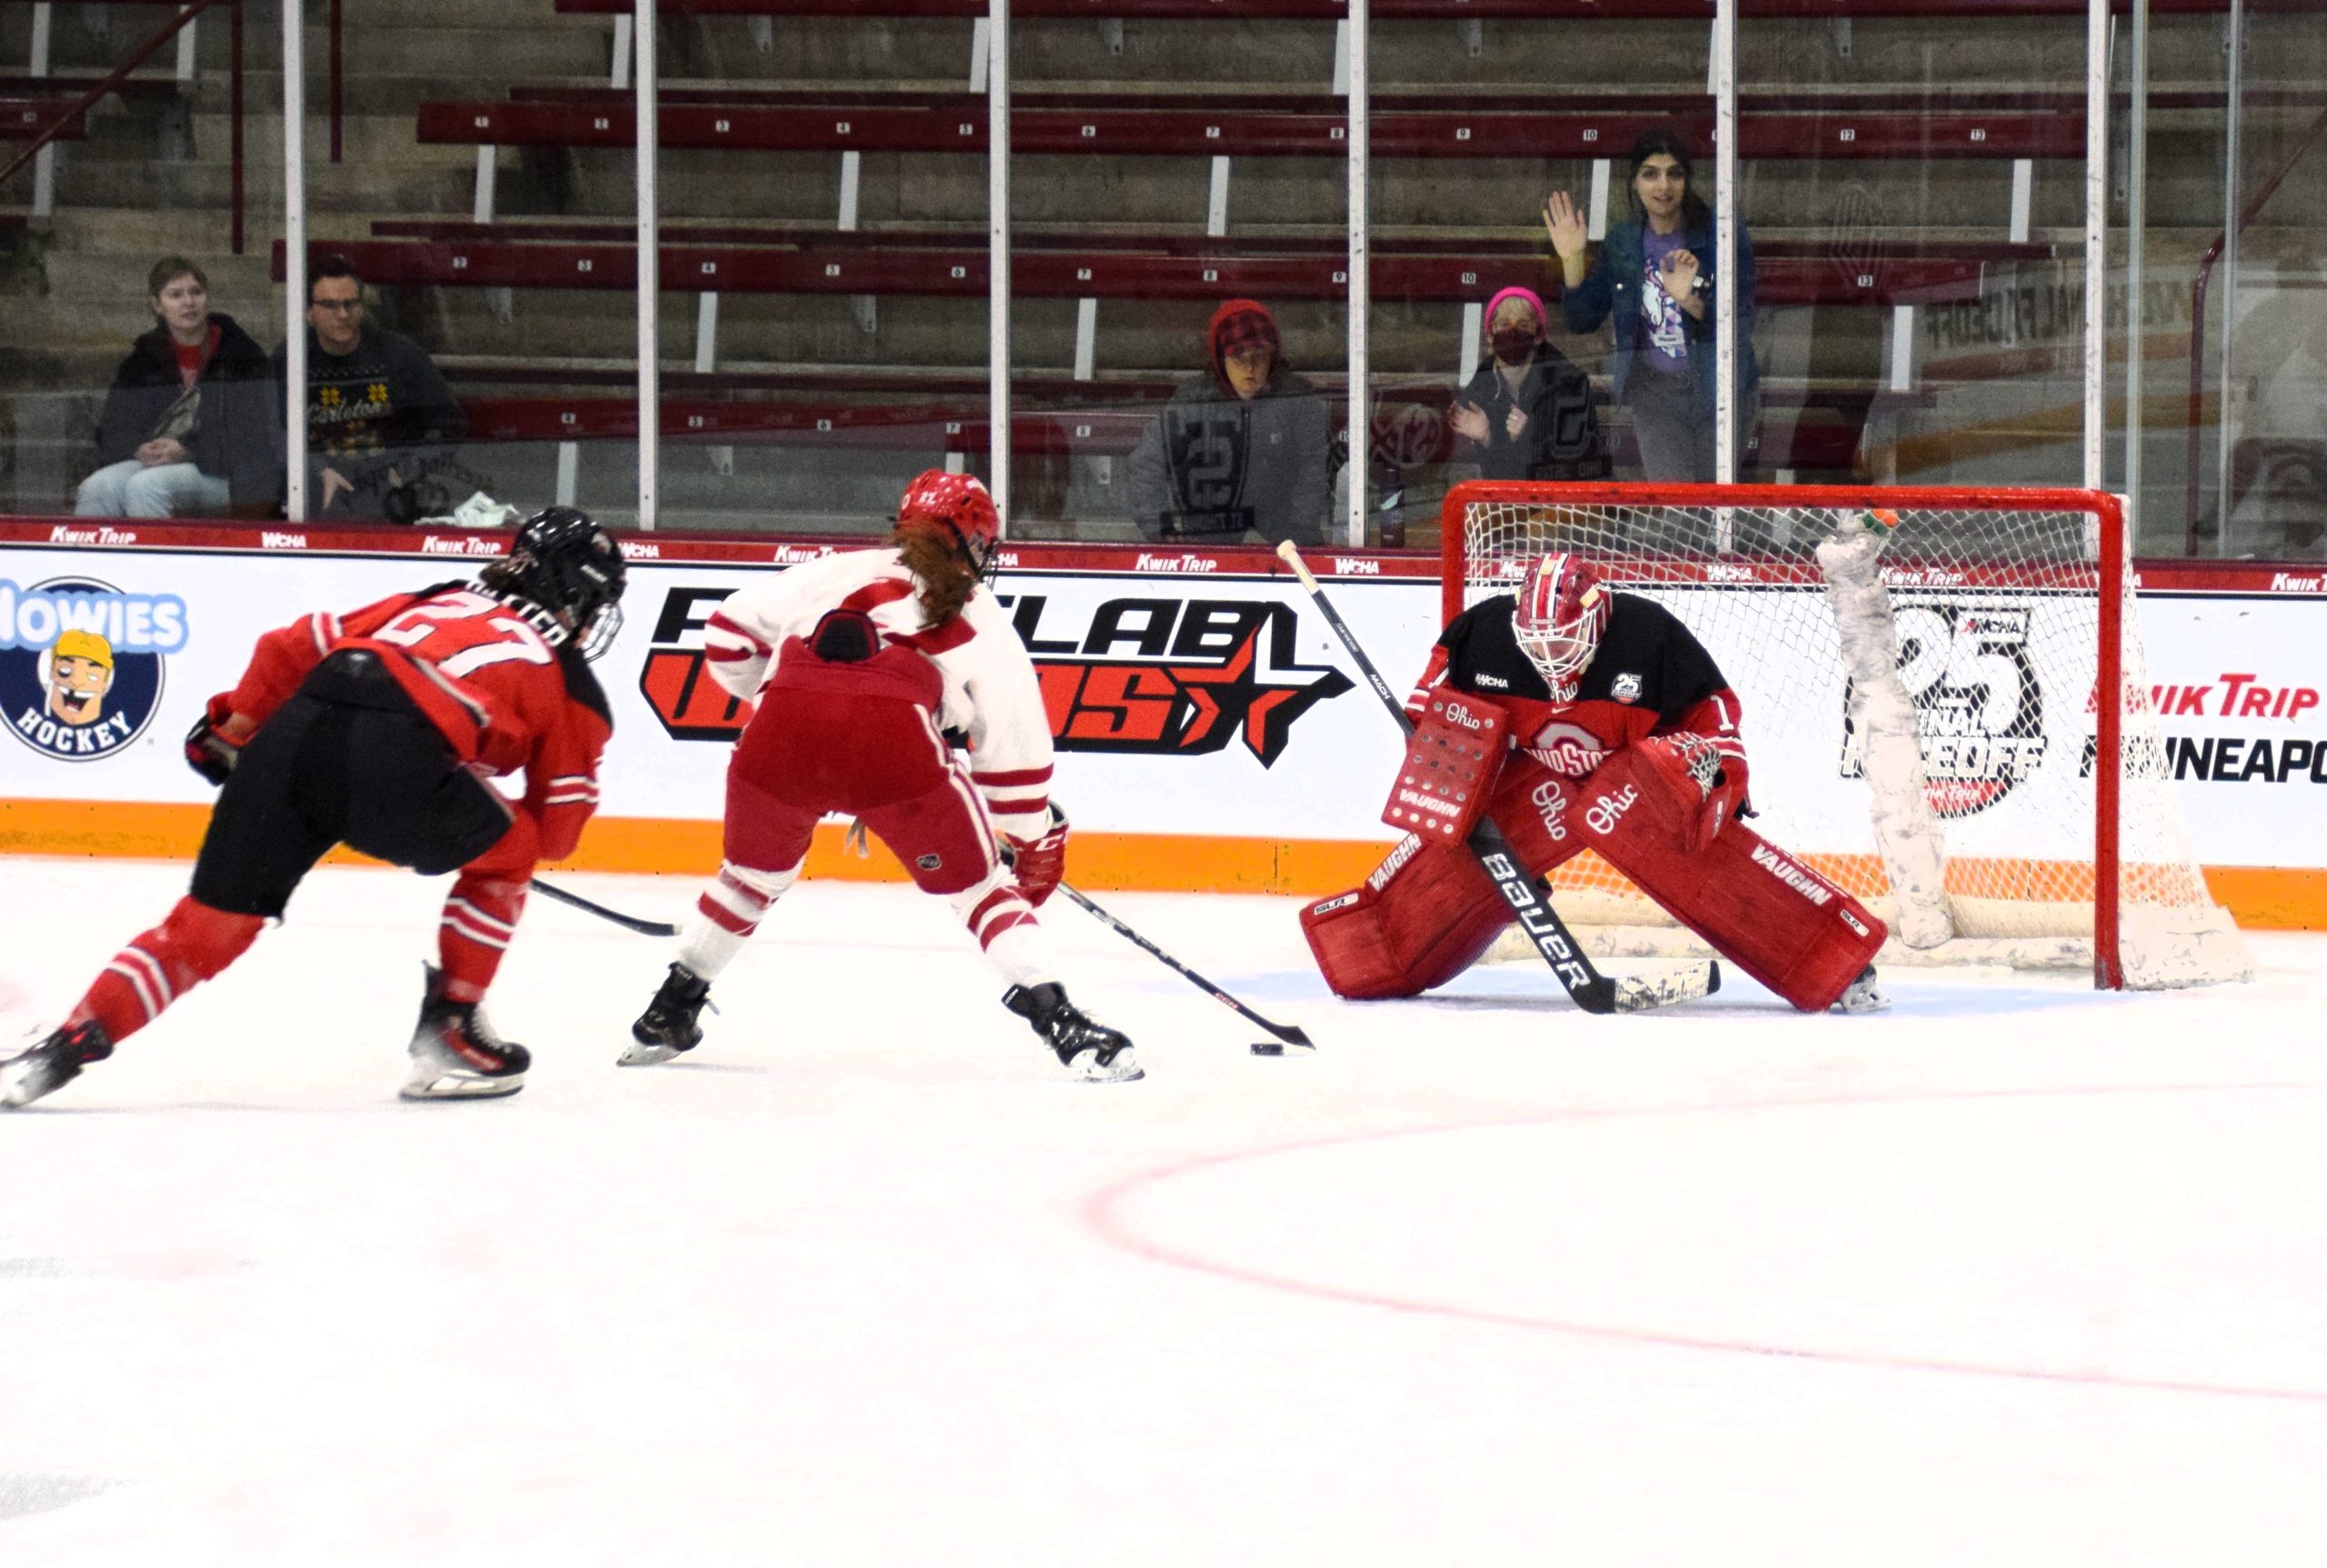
(1203, 699)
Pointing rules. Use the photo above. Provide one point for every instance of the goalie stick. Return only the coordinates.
(1586, 986)
(1290, 1034)
(628, 922)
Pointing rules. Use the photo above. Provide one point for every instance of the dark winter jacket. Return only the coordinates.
(382, 407)
(233, 435)
(1214, 466)
(1613, 288)
(1562, 440)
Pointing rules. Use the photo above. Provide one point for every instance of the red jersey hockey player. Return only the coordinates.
(859, 664)
(378, 729)
(1623, 739)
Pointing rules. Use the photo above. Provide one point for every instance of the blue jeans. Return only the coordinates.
(130, 489)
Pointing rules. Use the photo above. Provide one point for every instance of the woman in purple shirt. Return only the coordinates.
(1656, 275)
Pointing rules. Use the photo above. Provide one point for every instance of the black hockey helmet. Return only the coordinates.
(565, 565)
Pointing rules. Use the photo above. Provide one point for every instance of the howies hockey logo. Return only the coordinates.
(81, 664)
(1979, 710)
(688, 703)
(1172, 676)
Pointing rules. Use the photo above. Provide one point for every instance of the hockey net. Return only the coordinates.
(1945, 708)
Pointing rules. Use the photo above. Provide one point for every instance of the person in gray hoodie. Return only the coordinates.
(1244, 449)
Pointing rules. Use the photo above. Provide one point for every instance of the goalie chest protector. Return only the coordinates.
(1452, 761)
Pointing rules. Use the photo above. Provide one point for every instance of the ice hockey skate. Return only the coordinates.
(54, 1063)
(668, 1025)
(455, 1055)
(1861, 995)
(1092, 1052)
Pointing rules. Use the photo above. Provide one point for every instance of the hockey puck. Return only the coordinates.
(1267, 1048)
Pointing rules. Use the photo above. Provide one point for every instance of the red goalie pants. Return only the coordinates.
(807, 753)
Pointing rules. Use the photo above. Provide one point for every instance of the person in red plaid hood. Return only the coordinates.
(1242, 450)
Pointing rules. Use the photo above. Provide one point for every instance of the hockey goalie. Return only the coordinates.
(1580, 717)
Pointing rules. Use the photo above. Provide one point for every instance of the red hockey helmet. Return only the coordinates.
(957, 508)
(1562, 614)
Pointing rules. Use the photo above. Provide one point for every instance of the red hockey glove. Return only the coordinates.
(208, 751)
(1698, 782)
(1038, 863)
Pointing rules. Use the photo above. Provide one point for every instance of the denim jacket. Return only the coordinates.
(1613, 288)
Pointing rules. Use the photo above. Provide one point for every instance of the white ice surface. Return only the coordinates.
(2016, 1274)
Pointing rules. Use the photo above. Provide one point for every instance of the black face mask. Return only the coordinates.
(1513, 347)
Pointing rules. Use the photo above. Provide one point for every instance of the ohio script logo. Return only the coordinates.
(1979, 710)
(81, 664)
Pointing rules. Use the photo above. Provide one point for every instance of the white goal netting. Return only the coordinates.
(1923, 703)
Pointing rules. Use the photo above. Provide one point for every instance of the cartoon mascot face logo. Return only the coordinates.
(80, 673)
(81, 664)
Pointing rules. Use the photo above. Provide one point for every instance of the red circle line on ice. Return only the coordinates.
(1102, 1212)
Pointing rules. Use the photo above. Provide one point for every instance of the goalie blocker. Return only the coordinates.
(1654, 811)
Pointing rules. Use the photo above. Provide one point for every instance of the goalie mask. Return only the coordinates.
(956, 508)
(569, 569)
(1562, 614)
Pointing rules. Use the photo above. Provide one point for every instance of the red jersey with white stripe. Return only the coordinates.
(988, 689)
(1649, 676)
(508, 697)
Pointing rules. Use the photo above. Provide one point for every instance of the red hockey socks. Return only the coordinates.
(479, 917)
(194, 942)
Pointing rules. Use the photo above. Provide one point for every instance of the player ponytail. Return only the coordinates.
(946, 580)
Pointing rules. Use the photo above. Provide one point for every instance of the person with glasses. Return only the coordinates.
(380, 418)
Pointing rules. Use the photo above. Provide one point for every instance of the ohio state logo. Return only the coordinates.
(1567, 749)
(1979, 708)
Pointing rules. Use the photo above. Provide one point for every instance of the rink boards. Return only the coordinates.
(1211, 733)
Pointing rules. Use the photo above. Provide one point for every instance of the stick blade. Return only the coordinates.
(1642, 993)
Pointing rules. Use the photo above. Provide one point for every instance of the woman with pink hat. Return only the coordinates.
(1527, 413)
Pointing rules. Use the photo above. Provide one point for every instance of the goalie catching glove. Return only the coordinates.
(1701, 788)
(1038, 863)
(210, 748)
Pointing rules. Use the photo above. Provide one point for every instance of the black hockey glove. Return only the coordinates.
(208, 749)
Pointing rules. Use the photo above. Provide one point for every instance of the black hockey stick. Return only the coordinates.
(1586, 986)
(628, 922)
(1288, 1034)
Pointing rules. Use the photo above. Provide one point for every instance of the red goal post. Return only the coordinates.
(1946, 705)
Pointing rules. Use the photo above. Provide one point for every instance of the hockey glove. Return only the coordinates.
(209, 752)
(1038, 863)
(1707, 787)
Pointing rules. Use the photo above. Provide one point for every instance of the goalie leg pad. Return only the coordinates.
(1762, 909)
(1421, 918)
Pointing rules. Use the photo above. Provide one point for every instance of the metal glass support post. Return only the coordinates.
(2233, 123)
(295, 265)
(997, 266)
(646, 94)
(1361, 378)
(1724, 195)
(2096, 219)
(2136, 245)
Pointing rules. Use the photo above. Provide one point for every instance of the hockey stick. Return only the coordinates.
(1290, 1034)
(1586, 986)
(628, 922)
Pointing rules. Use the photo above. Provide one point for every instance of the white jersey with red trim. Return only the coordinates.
(990, 693)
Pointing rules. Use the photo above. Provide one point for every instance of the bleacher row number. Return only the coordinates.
(965, 129)
(721, 127)
(1341, 277)
(1847, 134)
(953, 427)
(1211, 133)
(823, 424)
(602, 123)
(1082, 275)
(1212, 274)
(566, 416)
(1089, 132)
(1083, 433)
(586, 264)
(710, 269)
(1469, 280)
(831, 269)
(1461, 133)
(1339, 134)
(1979, 132)
(460, 263)
(961, 272)
(482, 122)
(1590, 133)
(1866, 280)
(694, 421)
(841, 129)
